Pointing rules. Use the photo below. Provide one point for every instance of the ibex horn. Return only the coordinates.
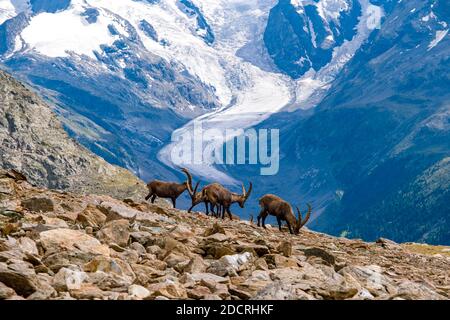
(248, 192)
(308, 215)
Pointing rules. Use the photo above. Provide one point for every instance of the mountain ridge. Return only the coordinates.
(34, 143)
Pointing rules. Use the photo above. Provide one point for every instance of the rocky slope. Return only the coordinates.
(57, 245)
(34, 143)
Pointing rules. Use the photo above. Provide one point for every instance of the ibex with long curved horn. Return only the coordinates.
(282, 210)
(197, 198)
(216, 194)
(168, 190)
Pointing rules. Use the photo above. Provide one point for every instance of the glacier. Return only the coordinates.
(265, 92)
(220, 43)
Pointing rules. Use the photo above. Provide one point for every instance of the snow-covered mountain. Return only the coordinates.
(124, 75)
(106, 63)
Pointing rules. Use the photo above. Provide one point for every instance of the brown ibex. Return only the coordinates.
(197, 198)
(218, 195)
(275, 206)
(168, 190)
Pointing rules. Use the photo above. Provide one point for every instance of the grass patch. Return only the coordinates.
(427, 249)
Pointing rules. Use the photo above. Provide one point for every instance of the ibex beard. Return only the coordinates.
(228, 146)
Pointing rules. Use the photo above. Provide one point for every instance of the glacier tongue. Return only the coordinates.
(259, 93)
(256, 93)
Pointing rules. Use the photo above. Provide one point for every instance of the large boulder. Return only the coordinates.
(280, 291)
(67, 279)
(371, 278)
(91, 216)
(67, 239)
(19, 276)
(410, 290)
(171, 290)
(39, 204)
(116, 231)
(285, 248)
(196, 265)
(137, 292)
(278, 261)
(230, 264)
(6, 292)
(117, 211)
(327, 257)
(28, 246)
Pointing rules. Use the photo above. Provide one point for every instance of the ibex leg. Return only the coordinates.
(207, 207)
(218, 211)
(259, 217)
(213, 209)
(229, 213)
(223, 212)
(264, 221)
(279, 223)
(289, 226)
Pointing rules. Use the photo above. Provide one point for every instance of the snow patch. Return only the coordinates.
(7, 10)
(331, 9)
(58, 34)
(440, 35)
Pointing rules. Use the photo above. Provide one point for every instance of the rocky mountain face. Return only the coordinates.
(373, 155)
(57, 245)
(381, 136)
(302, 35)
(34, 143)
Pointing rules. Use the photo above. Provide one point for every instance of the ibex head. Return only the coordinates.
(300, 223)
(242, 198)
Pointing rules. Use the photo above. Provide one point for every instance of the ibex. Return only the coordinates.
(168, 190)
(218, 195)
(197, 198)
(275, 206)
